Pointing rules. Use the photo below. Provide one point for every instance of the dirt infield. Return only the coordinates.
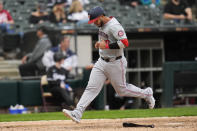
(161, 124)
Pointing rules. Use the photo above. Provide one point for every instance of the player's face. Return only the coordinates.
(39, 33)
(65, 43)
(99, 22)
(62, 61)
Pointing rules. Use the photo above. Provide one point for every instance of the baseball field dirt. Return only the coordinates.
(161, 124)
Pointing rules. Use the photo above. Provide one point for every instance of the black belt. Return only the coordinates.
(108, 59)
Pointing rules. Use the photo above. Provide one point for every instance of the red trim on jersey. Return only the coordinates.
(125, 42)
(107, 46)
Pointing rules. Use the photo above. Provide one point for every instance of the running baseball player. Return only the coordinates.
(111, 65)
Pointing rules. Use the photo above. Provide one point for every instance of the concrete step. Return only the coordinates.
(9, 69)
(10, 62)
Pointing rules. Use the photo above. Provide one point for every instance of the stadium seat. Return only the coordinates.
(156, 15)
(11, 42)
(187, 23)
(150, 24)
(168, 23)
(44, 92)
(11, 4)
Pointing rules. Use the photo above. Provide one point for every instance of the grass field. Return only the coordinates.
(112, 114)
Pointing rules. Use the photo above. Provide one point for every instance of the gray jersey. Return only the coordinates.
(115, 71)
(112, 32)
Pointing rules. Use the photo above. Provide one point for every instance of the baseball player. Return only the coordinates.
(112, 65)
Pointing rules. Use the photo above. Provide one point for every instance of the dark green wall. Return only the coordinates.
(168, 79)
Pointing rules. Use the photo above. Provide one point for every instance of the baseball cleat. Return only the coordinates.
(71, 115)
(150, 99)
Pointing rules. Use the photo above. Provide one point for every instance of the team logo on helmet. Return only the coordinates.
(120, 33)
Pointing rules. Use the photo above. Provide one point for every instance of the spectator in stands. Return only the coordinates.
(56, 77)
(71, 61)
(77, 13)
(83, 2)
(150, 2)
(6, 20)
(40, 15)
(32, 63)
(52, 3)
(135, 3)
(177, 10)
(132, 3)
(58, 15)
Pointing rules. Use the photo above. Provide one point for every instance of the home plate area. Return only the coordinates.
(160, 123)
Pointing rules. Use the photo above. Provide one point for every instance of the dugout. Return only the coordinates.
(179, 75)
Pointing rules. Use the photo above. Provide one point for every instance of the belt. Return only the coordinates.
(110, 60)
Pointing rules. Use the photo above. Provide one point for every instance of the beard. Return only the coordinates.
(101, 24)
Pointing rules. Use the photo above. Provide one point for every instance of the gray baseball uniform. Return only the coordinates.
(114, 69)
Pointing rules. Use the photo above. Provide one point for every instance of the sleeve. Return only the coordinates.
(186, 4)
(45, 18)
(167, 8)
(47, 59)
(120, 35)
(33, 20)
(49, 74)
(74, 61)
(66, 72)
(9, 16)
(42, 46)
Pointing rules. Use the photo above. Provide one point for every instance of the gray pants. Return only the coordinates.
(115, 72)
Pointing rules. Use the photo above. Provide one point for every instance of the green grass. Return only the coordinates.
(113, 114)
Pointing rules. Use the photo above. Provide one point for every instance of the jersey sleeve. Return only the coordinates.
(9, 16)
(119, 34)
(167, 9)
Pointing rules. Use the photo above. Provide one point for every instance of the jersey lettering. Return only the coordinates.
(103, 34)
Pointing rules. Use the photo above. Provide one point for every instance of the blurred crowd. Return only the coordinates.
(173, 9)
(61, 12)
(55, 11)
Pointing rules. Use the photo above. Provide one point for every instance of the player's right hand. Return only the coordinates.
(97, 44)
